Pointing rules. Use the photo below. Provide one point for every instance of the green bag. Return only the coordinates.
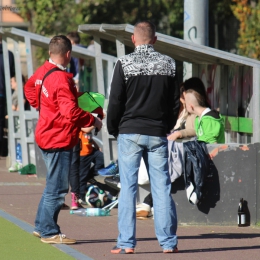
(28, 169)
(89, 101)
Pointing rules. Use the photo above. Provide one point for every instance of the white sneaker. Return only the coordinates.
(15, 167)
(143, 210)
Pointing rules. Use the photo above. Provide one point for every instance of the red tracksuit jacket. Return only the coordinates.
(60, 117)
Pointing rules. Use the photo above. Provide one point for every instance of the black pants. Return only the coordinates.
(87, 172)
(80, 171)
(74, 169)
(149, 200)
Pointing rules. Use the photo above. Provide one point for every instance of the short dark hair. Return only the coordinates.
(182, 89)
(147, 27)
(74, 36)
(195, 85)
(60, 44)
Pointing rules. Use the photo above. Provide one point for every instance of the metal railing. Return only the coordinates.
(20, 123)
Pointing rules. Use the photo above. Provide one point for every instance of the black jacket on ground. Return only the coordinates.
(196, 165)
(144, 97)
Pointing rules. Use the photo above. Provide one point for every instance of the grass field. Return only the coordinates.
(17, 244)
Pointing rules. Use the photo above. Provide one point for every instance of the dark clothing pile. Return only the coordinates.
(196, 169)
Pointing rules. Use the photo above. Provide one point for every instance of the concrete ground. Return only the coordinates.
(20, 195)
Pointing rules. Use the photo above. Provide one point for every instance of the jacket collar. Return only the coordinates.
(144, 48)
(205, 112)
(58, 65)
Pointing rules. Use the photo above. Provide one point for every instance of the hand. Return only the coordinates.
(175, 135)
(98, 123)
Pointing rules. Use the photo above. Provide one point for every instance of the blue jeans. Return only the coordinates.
(57, 186)
(131, 147)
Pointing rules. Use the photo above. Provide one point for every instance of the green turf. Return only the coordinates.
(16, 243)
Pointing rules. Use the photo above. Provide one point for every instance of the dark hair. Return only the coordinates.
(182, 89)
(195, 85)
(60, 44)
(147, 27)
(74, 36)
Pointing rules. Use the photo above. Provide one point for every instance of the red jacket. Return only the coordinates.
(60, 117)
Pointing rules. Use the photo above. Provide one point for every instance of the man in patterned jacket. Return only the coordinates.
(143, 108)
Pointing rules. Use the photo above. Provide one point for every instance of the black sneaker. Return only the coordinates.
(92, 181)
(82, 200)
(113, 182)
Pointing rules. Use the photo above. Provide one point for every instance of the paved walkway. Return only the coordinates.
(20, 195)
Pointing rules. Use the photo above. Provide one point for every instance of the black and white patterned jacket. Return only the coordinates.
(144, 96)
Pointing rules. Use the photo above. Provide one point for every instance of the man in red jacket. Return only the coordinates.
(52, 91)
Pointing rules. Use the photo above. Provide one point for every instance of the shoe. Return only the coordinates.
(142, 218)
(113, 182)
(110, 170)
(58, 239)
(117, 250)
(15, 167)
(74, 201)
(169, 251)
(36, 234)
(82, 200)
(143, 210)
(150, 215)
(93, 181)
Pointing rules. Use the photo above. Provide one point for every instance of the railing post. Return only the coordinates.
(256, 105)
(11, 139)
(101, 89)
(22, 130)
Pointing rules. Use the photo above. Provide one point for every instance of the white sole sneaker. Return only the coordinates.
(142, 213)
(143, 210)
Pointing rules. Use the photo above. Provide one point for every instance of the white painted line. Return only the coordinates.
(28, 228)
(20, 184)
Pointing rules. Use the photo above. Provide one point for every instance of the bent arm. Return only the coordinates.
(31, 91)
(189, 130)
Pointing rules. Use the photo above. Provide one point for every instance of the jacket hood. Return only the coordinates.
(213, 114)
